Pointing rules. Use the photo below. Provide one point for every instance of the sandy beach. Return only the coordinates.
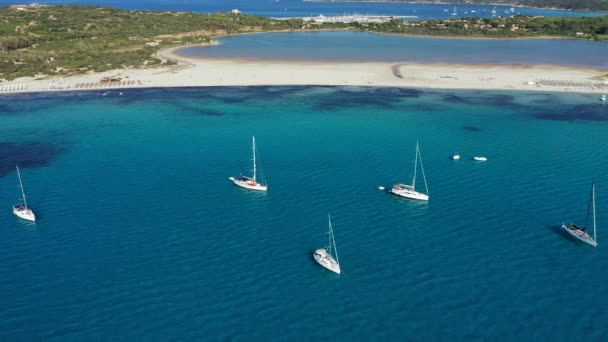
(193, 72)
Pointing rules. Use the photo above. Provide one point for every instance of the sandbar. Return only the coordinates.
(197, 72)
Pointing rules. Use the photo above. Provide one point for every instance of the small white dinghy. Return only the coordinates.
(479, 158)
(409, 191)
(456, 156)
(324, 257)
(20, 209)
(250, 182)
(603, 98)
(580, 233)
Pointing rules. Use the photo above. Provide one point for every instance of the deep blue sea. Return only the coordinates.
(141, 236)
(360, 46)
(299, 8)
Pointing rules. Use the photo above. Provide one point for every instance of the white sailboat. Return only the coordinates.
(325, 257)
(20, 209)
(454, 13)
(580, 233)
(250, 182)
(409, 191)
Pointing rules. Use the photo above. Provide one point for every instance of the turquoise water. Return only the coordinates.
(359, 46)
(141, 235)
(299, 8)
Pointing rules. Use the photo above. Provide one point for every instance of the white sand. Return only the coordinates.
(200, 72)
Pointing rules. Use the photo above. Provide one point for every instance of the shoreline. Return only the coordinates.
(456, 4)
(172, 54)
(396, 34)
(197, 72)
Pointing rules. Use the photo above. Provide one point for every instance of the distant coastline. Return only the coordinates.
(163, 67)
(74, 40)
(469, 4)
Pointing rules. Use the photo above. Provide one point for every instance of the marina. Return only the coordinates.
(354, 18)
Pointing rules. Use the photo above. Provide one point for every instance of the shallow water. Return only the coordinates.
(359, 46)
(141, 235)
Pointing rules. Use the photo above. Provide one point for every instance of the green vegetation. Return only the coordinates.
(65, 40)
(575, 5)
(74, 39)
(514, 27)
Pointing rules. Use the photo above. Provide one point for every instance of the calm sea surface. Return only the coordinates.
(142, 236)
(359, 46)
(299, 8)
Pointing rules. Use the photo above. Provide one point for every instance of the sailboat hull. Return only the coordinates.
(326, 260)
(411, 194)
(24, 213)
(409, 191)
(248, 184)
(579, 235)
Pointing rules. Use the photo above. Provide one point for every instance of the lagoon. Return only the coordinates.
(371, 47)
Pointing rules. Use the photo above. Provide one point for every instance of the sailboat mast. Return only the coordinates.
(332, 241)
(254, 168)
(415, 167)
(426, 186)
(21, 185)
(329, 244)
(593, 200)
